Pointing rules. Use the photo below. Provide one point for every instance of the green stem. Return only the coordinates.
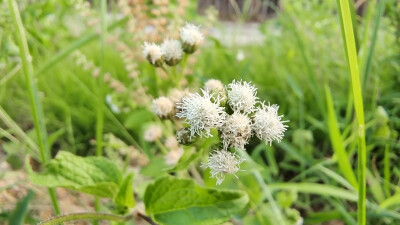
(37, 113)
(183, 67)
(351, 52)
(386, 170)
(161, 146)
(85, 216)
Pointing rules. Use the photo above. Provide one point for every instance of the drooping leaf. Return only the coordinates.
(172, 201)
(93, 175)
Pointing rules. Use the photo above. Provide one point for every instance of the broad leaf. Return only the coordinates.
(94, 175)
(172, 201)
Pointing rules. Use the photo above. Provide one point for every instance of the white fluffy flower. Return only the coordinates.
(162, 107)
(213, 84)
(222, 163)
(152, 133)
(201, 112)
(267, 125)
(236, 131)
(242, 96)
(176, 95)
(153, 53)
(191, 35)
(172, 50)
(173, 156)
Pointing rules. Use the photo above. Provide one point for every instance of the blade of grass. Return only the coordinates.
(37, 113)
(318, 189)
(367, 67)
(386, 170)
(337, 141)
(351, 52)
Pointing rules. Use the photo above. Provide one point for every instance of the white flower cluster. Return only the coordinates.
(201, 112)
(171, 51)
(207, 111)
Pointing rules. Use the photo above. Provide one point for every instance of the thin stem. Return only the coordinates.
(386, 170)
(37, 113)
(161, 146)
(100, 103)
(351, 53)
(85, 216)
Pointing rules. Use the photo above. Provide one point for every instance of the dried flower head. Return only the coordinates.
(191, 37)
(236, 131)
(267, 125)
(172, 50)
(214, 84)
(162, 107)
(171, 143)
(152, 133)
(222, 163)
(176, 95)
(242, 96)
(153, 53)
(201, 112)
(173, 156)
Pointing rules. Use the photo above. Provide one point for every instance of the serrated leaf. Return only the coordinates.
(172, 201)
(125, 193)
(93, 175)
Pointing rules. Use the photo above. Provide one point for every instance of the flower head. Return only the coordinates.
(267, 125)
(214, 84)
(242, 96)
(171, 143)
(173, 156)
(216, 89)
(162, 107)
(236, 131)
(191, 37)
(153, 53)
(152, 133)
(201, 112)
(172, 50)
(222, 163)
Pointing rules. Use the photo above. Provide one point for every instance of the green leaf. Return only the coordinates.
(125, 193)
(337, 141)
(180, 201)
(93, 175)
(20, 211)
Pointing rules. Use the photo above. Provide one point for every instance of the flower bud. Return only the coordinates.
(191, 38)
(184, 137)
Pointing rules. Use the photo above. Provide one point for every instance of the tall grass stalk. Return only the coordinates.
(351, 52)
(37, 113)
(100, 91)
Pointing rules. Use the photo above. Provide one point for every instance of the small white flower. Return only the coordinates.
(172, 50)
(213, 84)
(267, 125)
(201, 112)
(153, 53)
(191, 35)
(222, 163)
(242, 96)
(236, 131)
(162, 107)
(173, 156)
(152, 133)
